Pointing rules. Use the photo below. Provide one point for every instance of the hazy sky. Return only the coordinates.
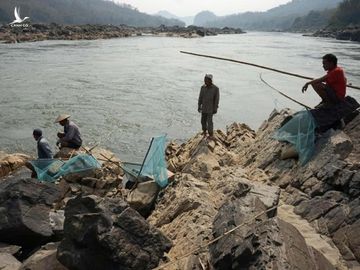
(192, 7)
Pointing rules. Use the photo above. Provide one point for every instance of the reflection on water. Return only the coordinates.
(123, 91)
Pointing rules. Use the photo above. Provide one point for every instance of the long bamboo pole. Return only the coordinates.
(259, 66)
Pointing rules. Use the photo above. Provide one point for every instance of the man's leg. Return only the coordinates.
(327, 94)
(210, 124)
(320, 90)
(203, 123)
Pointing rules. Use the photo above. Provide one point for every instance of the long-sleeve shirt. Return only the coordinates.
(209, 98)
(43, 148)
(72, 133)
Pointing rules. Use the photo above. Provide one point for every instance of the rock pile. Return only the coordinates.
(221, 210)
(348, 33)
(53, 31)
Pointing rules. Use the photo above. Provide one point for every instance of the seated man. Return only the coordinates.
(43, 147)
(331, 87)
(71, 136)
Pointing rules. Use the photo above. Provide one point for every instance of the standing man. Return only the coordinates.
(43, 146)
(208, 104)
(331, 87)
(71, 136)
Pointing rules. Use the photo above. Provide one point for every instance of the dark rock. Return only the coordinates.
(101, 233)
(319, 206)
(259, 243)
(347, 239)
(25, 205)
(354, 185)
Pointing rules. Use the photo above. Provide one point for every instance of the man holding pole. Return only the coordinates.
(331, 87)
(208, 104)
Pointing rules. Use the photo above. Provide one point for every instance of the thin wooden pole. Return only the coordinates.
(259, 66)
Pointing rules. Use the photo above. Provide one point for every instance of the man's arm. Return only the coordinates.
(200, 99)
(69, 134)
(315, 81)
(216, 100)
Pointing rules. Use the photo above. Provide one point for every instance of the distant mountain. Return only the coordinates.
(278, 18)
(347, 14)
(189, 20)
(313, 21)
(81, 12)
(204, 17)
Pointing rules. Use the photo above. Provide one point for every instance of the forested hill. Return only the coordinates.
(347, 14)
(80, 12)
(279, 18)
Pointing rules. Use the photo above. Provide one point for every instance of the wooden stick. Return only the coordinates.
(259, 66)
(281, 93)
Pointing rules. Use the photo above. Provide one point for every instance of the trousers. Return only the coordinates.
(207, 123)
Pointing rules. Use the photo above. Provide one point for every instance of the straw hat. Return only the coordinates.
(62, 117)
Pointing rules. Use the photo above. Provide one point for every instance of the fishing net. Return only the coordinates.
(154, 165)
(300, 132)
(52, 169)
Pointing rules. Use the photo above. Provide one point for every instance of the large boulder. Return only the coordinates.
(9, 163)
(104, 233)
(259, 242)
(25, 205)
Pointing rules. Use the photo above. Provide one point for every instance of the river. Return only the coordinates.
(121, 92)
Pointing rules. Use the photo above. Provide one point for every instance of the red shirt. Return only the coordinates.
(337, 81)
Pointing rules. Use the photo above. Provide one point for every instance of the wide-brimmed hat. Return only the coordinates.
(62, 117)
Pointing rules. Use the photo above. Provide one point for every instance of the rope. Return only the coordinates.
(281, 93)
(195, 250)
(259, 66)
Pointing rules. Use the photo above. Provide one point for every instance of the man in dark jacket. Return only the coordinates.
(208, 105)
(43, 147)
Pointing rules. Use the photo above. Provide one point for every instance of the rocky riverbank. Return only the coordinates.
(39, 32)
(233, 204)
(348, 33)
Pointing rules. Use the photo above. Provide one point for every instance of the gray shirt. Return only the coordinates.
(44, 149)
(72, 133)
(209, 99)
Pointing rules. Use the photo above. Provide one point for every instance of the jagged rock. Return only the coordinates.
(342, 144)
(8, 262)
(44, 259)
(323, 205)
(259, 243)
(11, 249)
(25, 205)
(354, 185)
(102, 233)
(347, 239)
(9, 163)
(143, 197)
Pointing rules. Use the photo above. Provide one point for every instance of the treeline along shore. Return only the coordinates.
(38, 32)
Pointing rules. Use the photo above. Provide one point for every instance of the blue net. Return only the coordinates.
(154, 165)
(52, 169)
(300, 132)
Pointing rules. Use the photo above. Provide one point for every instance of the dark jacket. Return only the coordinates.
(209, 99)
(44, 149)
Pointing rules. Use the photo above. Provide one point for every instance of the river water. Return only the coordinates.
(121, 92)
